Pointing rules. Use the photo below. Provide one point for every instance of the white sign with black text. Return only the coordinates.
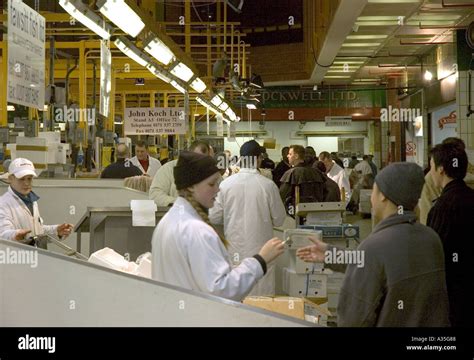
(155, 121)
(338, 121)
(26, 56)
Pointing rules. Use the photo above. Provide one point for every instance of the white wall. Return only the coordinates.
(323, 143)
(285, 133)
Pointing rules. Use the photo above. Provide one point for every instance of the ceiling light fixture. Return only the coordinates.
(182, 71)
(122, 15)
(129, 49)
(87, 17)
(158, 49)
(198, 85)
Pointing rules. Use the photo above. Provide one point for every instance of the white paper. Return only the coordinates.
(143, 212)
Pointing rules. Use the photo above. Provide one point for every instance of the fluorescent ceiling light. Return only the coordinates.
(182, 71)
(157, 48)
(347, 62)
(202, 101)
(159, 73)
(122, 15)
(10, 108)
(428, 75)
(360, 44)
(178, 87)
(337, 77)
(366, 37)
(378, 18)
(216, 100)
(198, 85)
(251, 106)
(224, 106)
(231, 114)
(341, 70)
(87, 17)
(130, 50)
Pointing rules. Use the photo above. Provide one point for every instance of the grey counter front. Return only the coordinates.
(112, 227)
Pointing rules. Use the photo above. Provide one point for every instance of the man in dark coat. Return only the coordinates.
(311, 181)
(122, 168)
(282, 167)
(451, 217)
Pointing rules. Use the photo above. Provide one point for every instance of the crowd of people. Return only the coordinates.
(217, 236)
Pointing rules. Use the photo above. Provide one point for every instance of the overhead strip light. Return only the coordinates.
(224, 106)
(157, 48)
(182, 71)
(127, 47)
(122, 15)
(87, 17)
(159, 73)
(198, 85)
(178, 87)
(216, 100)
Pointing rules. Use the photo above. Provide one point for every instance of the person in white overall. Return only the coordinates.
(20, 219)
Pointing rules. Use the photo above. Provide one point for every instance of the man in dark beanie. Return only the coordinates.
(186, 249)
(450, 217)
(402, 282)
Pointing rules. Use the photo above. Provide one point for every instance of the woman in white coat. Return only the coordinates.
(188, 252)
(19, 212)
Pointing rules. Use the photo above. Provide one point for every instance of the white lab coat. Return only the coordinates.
(364, 168)
(249, 205)
(163, 189)
(188, 253)
(15, 215)
(338, 175)
(153, 165)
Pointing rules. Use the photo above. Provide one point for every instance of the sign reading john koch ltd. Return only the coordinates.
(26, 56)
(155, 121)
(278, 97)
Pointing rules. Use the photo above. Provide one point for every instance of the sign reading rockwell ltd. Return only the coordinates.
(296, 97)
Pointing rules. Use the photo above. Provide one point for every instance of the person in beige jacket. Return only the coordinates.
(163, 189)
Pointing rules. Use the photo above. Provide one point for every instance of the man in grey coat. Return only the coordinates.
(402, 280)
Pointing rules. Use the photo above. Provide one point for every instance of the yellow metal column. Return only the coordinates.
(187, 26)
(124, 105)
(209, 59)
(3, 84)
(152, 99)
(111, 118)
(82, 91)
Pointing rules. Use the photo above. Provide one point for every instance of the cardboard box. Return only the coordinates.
(309, 309)
(304, 285)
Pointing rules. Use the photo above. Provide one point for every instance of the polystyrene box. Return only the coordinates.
(112, 260)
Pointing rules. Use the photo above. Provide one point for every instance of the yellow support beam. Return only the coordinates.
(82, 91)
(110, 120)
(3, 84)
(187, 26)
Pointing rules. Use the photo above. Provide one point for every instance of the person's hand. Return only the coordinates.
(271, 250)
(313, 253)
(20, 234)
(65, 229)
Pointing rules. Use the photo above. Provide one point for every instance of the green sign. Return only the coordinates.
(295, 97)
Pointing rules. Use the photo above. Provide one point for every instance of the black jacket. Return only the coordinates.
(278, 172)
(120, 169)
(451, 217)
(311, 182)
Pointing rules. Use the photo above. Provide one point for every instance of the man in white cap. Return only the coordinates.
(19, 212)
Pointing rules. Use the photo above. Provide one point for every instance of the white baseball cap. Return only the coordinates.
(21, 167)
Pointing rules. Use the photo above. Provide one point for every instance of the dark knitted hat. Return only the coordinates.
(192, 168)
(401, 183)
